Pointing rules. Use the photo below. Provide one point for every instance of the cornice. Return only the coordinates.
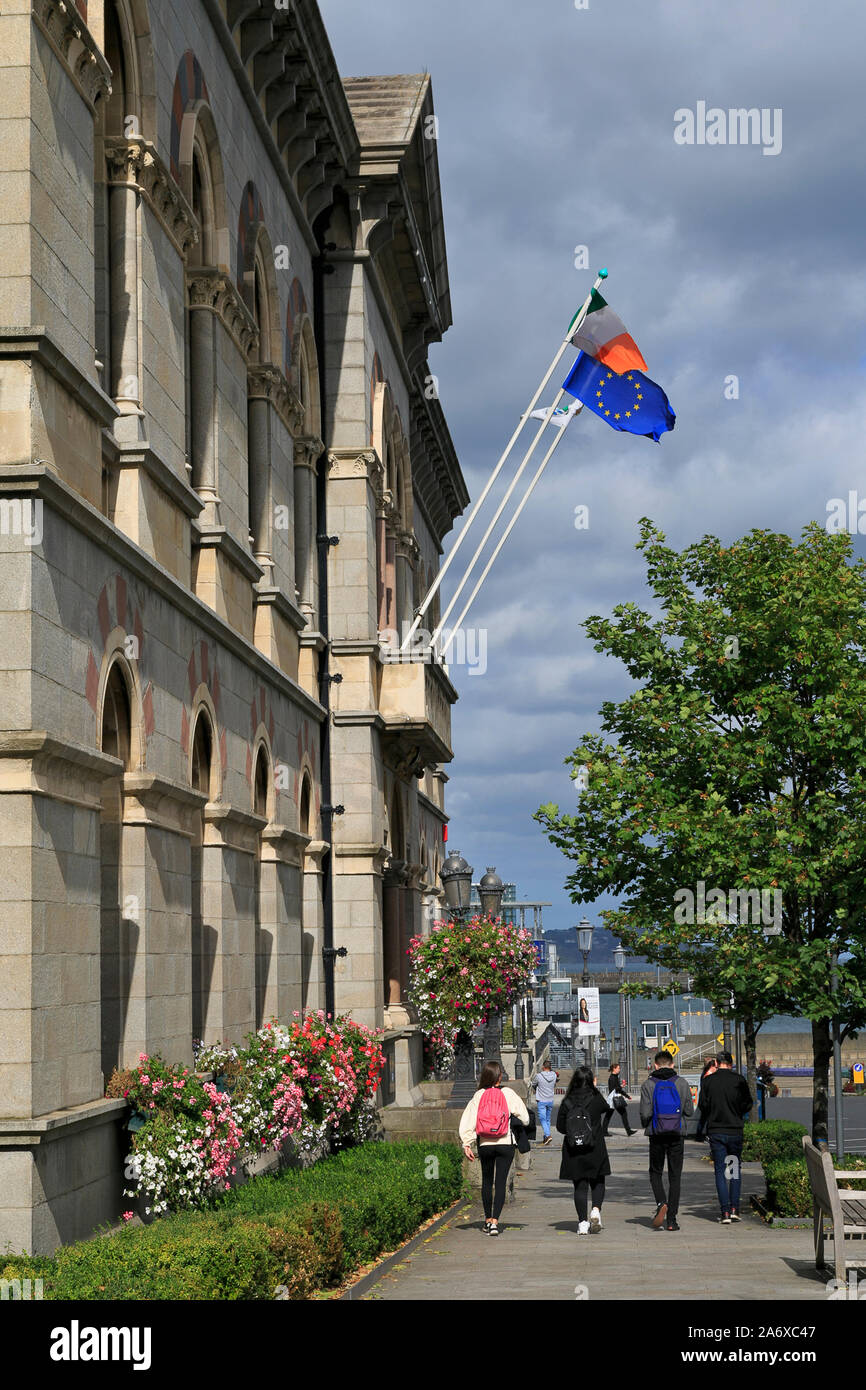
(34, 342)
(135, 163)
(139, 454)
(220, 538)
(208, 287)
(61, 23)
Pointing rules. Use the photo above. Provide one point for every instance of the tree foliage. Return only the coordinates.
(738, 761)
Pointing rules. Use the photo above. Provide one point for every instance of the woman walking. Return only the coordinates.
(584, 1153)
(486, 1121)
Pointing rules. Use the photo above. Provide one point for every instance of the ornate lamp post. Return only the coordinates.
(490, 891)
(624, 1030)
(584, 944)
(456, 876)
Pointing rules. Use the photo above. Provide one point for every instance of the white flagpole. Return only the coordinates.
(572, 329)
(506, 533)
(496, 515)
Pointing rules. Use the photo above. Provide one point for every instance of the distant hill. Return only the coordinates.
(604, 944)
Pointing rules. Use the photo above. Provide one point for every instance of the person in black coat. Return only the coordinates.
(586, 1167)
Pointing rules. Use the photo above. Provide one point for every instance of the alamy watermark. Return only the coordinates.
(703, 906)
(736, 126)
(468, 648)
(21, 516)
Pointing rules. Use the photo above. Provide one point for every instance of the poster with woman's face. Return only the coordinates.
(588, 1015)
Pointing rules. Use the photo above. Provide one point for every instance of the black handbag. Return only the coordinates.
(521, 1136)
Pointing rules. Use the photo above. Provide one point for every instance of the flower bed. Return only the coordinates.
(313, 1081)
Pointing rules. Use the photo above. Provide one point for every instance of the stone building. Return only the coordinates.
(224, 470)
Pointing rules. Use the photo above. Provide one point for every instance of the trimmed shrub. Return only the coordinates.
(772, 1139)
(284, 1236)
(788, 1191)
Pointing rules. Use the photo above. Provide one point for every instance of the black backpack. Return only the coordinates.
(578, 1129)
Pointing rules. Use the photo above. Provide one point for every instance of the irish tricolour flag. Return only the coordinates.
(604, 336)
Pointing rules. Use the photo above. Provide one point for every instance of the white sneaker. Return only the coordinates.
(583, 1228)
(595, 1221)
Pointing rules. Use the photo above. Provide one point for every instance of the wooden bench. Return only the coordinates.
(846, 1210)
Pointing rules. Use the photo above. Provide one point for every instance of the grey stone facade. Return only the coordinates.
(222, 268)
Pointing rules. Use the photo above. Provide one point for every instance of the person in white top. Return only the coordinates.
(494, 1138)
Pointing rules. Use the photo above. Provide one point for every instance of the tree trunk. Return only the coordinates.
(750, 1033)
(822, 1047)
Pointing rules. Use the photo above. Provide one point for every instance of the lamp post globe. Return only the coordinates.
(490, 891)
(584, 931)
(456, 876)
(619, 958)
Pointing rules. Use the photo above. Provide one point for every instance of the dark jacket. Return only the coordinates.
(577, 1165)
(724, 1102)
(684, 1091)
(614, 1083)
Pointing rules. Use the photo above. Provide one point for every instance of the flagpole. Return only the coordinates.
(576, 321)
(497, 514)
(506, 533)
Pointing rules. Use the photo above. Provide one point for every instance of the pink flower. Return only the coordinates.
(128, 1215)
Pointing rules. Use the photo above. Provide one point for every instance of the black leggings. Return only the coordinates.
(496, 1160)
(581, 1205)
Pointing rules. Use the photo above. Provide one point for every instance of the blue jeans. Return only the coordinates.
(723, 1147)
(545, 1110)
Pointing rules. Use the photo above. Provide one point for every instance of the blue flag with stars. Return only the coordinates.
(628, 402)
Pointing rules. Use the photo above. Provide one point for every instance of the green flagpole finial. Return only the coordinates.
(602, 274)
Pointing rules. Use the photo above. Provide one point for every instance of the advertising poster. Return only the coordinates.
(588, 1015)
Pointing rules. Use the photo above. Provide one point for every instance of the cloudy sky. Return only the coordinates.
(557, 131)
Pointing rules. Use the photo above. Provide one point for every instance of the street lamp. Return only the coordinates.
(624, 1020)
(456, 876)
(584, 944)
(490, 891)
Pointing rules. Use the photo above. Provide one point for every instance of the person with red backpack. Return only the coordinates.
(584, 1153)
(486, 1121)
(665, 1101)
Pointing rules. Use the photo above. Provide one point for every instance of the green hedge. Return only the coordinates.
(771, 1139)
(788, 1191)
(300, 1231)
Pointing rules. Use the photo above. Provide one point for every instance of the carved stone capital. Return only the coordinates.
(267, 381)
(210, 288)
(349, 464)
(63, 27)
(135, 162)
(308, 447)
(408, 547)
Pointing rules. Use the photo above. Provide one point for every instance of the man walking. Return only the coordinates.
(617, 1097)
(665, 1101)
(545, 1094)
(724, 1103)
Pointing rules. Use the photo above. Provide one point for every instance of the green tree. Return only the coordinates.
(738, 762)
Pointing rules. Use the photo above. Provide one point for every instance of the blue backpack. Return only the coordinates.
(667, 1107)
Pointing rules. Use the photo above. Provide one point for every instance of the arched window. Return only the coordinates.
(261, 785)
(202, 755)
(305, 811)
(117, 717)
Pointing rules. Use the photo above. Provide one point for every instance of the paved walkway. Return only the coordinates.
(540, 1256)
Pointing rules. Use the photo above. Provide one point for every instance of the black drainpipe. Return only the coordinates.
(323, 544)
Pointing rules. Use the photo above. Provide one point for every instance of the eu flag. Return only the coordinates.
(628, 402)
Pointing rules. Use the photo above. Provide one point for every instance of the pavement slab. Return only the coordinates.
(540, 1255)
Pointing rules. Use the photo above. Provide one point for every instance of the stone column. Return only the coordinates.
(259, 447)
(307, 451)
(229, 862)
(392, 930)
(203, 288)
(406, 551)
(154, 870)
(313, 983)
(123, 163)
